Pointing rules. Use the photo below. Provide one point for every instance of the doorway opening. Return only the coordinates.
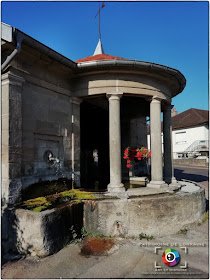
(94, 126)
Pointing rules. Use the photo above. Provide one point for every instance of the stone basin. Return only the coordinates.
(44, 233)
(157, 214)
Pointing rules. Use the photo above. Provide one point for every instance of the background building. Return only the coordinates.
(190, 134)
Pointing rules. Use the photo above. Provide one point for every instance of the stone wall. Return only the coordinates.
(37, 113)
(38, 109)
(47, 125)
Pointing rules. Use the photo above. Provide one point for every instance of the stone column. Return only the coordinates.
(75, 141)
(168, 147)
(11, 143)
(115, 185)
(156, 144)
(167, 144)
(11, 147)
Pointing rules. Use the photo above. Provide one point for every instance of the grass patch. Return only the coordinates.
(183, 231)
(145, 236)
(204, 219)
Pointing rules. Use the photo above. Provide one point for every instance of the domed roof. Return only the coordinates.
(98, 57)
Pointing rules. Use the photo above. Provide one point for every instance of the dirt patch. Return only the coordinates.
(96, 246)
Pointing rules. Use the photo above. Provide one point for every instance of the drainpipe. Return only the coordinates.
(72, 145)
(19, 38)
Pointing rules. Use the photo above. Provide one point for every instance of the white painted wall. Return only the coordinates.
(183, 138)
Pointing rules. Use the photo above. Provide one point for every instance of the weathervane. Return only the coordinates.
(98, 13)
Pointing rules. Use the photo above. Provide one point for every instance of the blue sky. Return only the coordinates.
(174, 34)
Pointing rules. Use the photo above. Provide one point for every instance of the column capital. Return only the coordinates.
(156, 99)
(10, 78)
(114, 95)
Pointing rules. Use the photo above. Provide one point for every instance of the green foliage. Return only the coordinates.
(144, 235)
(183, 231)
(98, 235)
(84, 232)
(204, 219)
(78, 237)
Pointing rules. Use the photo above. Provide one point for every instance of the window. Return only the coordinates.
(180, 137)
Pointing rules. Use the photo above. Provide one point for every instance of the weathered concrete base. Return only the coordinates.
(153, 211)
(46, 232)
(133, 192)
(157, 214)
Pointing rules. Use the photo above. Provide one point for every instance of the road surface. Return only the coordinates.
(196, 174)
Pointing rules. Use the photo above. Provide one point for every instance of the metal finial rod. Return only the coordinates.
(99, 18)
(99, 22)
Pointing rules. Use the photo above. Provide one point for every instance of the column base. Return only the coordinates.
(175, 184)
(157, 184)
(116, 188)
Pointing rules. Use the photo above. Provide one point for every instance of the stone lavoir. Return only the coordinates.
(85, 114)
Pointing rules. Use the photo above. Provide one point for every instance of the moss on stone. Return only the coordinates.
(79, 195)
(42, 203)
(39, 208)
(31, 203)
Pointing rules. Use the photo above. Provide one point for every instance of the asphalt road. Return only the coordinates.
(197, 174)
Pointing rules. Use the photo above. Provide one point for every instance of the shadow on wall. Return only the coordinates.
(9, 235)
(180, 174)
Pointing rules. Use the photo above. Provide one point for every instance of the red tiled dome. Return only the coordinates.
(98, 57)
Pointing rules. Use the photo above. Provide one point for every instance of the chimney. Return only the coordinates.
(174, 112)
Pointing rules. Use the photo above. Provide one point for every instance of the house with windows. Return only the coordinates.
(190, 131)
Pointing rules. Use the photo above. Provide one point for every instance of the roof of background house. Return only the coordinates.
(190, 118)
